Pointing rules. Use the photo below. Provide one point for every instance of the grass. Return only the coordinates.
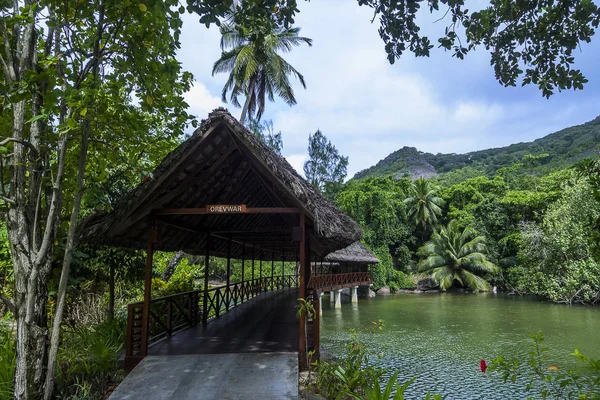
(8, 356)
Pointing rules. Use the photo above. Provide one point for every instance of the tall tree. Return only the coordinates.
(265, 132)
(256, 70)
(455, 255)
(325, 164)
(67, 71)
(424, 204)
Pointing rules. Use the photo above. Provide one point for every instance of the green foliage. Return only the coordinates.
(88, 359)
(556, 255)
(400, 280)
(305, 307)
(590, 170)
(407, 161)
(528, 44)
(548, 381)
(324, 163)
(6, 268)
(423, 203)
(256, 70)
(182, 280)
(457, 255)
(563, 149)
(352, 373)
(264, 132)
(8, 355)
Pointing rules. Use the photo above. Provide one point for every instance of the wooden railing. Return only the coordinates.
(170, 314)
(339, 281)
(223, 298)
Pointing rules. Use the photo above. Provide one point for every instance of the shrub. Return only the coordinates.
(577, 282)
(351, 373)
(400, 280)
(88, 360)
(8, 355)
(548, 381)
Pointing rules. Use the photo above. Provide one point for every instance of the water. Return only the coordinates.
(440, 338)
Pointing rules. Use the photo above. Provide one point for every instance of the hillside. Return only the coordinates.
(564, 148)
(406, 161)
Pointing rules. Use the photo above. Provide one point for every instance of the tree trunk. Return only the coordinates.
(172, 265)
(66, 267)
(245, 110)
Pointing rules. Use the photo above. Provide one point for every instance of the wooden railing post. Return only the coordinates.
(227, 289)
(169, 319)
(242, 291)
(272, 270)
(205, 294)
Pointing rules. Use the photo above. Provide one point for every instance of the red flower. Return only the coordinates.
(483, 366)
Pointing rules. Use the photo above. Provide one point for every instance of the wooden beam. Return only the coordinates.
(177, 165)
(202, 211)
(152, 238)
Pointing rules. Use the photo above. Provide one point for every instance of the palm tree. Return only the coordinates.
(457, 255)
(423, 204)
(255, 69)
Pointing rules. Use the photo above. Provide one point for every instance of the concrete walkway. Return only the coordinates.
(260, 376)
(251, 352)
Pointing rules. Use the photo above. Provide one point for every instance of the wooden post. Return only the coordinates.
(272, 270)
(205, 295)
(302, 324)
(253, 287)
(152, 237)
(260, 272)
(227, 288)
(282, 271)
(316, 325)
(242, 287)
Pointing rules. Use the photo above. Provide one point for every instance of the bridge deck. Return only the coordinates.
(266, 323)
(251, 352)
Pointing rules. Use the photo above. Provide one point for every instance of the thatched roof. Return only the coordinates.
(223, 163)
(356, 253)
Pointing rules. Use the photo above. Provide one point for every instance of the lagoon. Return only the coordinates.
(440, 338)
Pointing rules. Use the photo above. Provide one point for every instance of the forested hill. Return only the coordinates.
(563, 148)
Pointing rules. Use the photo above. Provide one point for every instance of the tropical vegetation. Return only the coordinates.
(457, 255)
(256, 70)
(82, 79)
(527, 223)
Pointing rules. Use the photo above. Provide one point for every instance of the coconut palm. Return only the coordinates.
(424, 204)
(255, 68)
(456, 255)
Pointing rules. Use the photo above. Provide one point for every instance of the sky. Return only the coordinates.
(369, 108)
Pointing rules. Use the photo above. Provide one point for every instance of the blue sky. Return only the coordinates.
(369, 108)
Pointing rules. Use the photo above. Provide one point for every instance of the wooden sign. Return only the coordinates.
(225, 208)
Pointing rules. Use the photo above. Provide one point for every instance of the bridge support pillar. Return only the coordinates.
(354, 294)
(320, 304)
(331, 296)
(338, 298)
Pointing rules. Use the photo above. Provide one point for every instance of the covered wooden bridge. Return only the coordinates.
(224, 193)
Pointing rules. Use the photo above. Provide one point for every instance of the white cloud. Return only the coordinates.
(369, 108)
(297, 161)
(201, 101)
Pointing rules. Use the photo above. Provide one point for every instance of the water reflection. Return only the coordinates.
(440, 338)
